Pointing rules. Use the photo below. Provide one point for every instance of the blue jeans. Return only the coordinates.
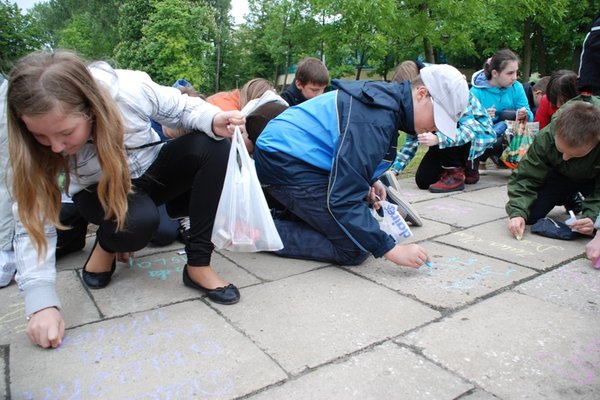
(307, 229)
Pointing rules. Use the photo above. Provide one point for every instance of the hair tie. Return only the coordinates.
(489, 61)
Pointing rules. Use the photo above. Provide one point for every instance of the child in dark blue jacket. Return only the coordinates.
(321, 160)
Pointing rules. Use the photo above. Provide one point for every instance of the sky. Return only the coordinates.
(238, 7)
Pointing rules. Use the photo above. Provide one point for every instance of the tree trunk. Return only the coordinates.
(287, 64)
(322, 44)
(361, 62)
(218, 67)
(526, 51)
(428, 49)
(540, 50)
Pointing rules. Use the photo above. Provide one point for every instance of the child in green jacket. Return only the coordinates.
(564, 158)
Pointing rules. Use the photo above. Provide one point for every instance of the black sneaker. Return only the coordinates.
(574, 202)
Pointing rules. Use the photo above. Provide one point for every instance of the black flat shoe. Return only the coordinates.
(222, 295)
(97, 280)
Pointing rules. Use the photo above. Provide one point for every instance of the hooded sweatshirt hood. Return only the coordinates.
(391, 96)
(479, 80)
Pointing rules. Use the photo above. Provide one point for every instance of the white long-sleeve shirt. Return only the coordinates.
(139, 100)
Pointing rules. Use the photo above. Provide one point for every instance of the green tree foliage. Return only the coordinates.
(287, 32)
(197, 40)
(175, 41)
(19, 35)
(364, 27)
(88, 27)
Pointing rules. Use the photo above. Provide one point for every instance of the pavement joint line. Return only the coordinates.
(133, 314)
(245, 335)
(419, 352)
(88, 291)
(470, 392)
(231, 260)
(264, 280)
(5, 354)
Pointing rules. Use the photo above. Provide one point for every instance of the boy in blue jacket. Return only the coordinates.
(321, 160)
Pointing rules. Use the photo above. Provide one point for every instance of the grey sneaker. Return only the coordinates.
(404, 207)
(390, 180)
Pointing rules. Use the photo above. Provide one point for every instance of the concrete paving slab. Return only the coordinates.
(77, 306)
(412, 193)
(458, 213)
(12, 314)
(183, 351)
(4, 389)
(518, 347)
(501, 175)
(490, 179)
(268, 266)
(429, 230)
(155, 280)
(385, 372)
(456, 277)
(310, 319)
(575, 285)
(495, 196)
(534, 251)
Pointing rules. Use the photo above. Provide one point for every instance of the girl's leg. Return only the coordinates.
(191, 169)
(142, 221)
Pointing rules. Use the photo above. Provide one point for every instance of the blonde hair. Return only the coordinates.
(38, 84)
(407, 70)
(253, 89)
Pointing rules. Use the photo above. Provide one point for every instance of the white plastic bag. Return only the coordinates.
(392, 222)
(243, 221)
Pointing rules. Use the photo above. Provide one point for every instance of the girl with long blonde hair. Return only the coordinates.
(93, 123)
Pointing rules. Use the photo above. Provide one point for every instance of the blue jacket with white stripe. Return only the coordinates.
(343, 139)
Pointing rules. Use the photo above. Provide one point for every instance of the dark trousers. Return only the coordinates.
(310, 232)
(187, 176)
(73, 239)
(555, 189)
(433, 163)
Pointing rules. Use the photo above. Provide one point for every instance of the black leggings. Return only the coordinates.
(431, 166)
(187, 176)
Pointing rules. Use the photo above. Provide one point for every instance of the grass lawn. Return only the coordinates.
(411, 168)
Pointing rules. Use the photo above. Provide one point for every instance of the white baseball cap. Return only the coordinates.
(450, 93)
